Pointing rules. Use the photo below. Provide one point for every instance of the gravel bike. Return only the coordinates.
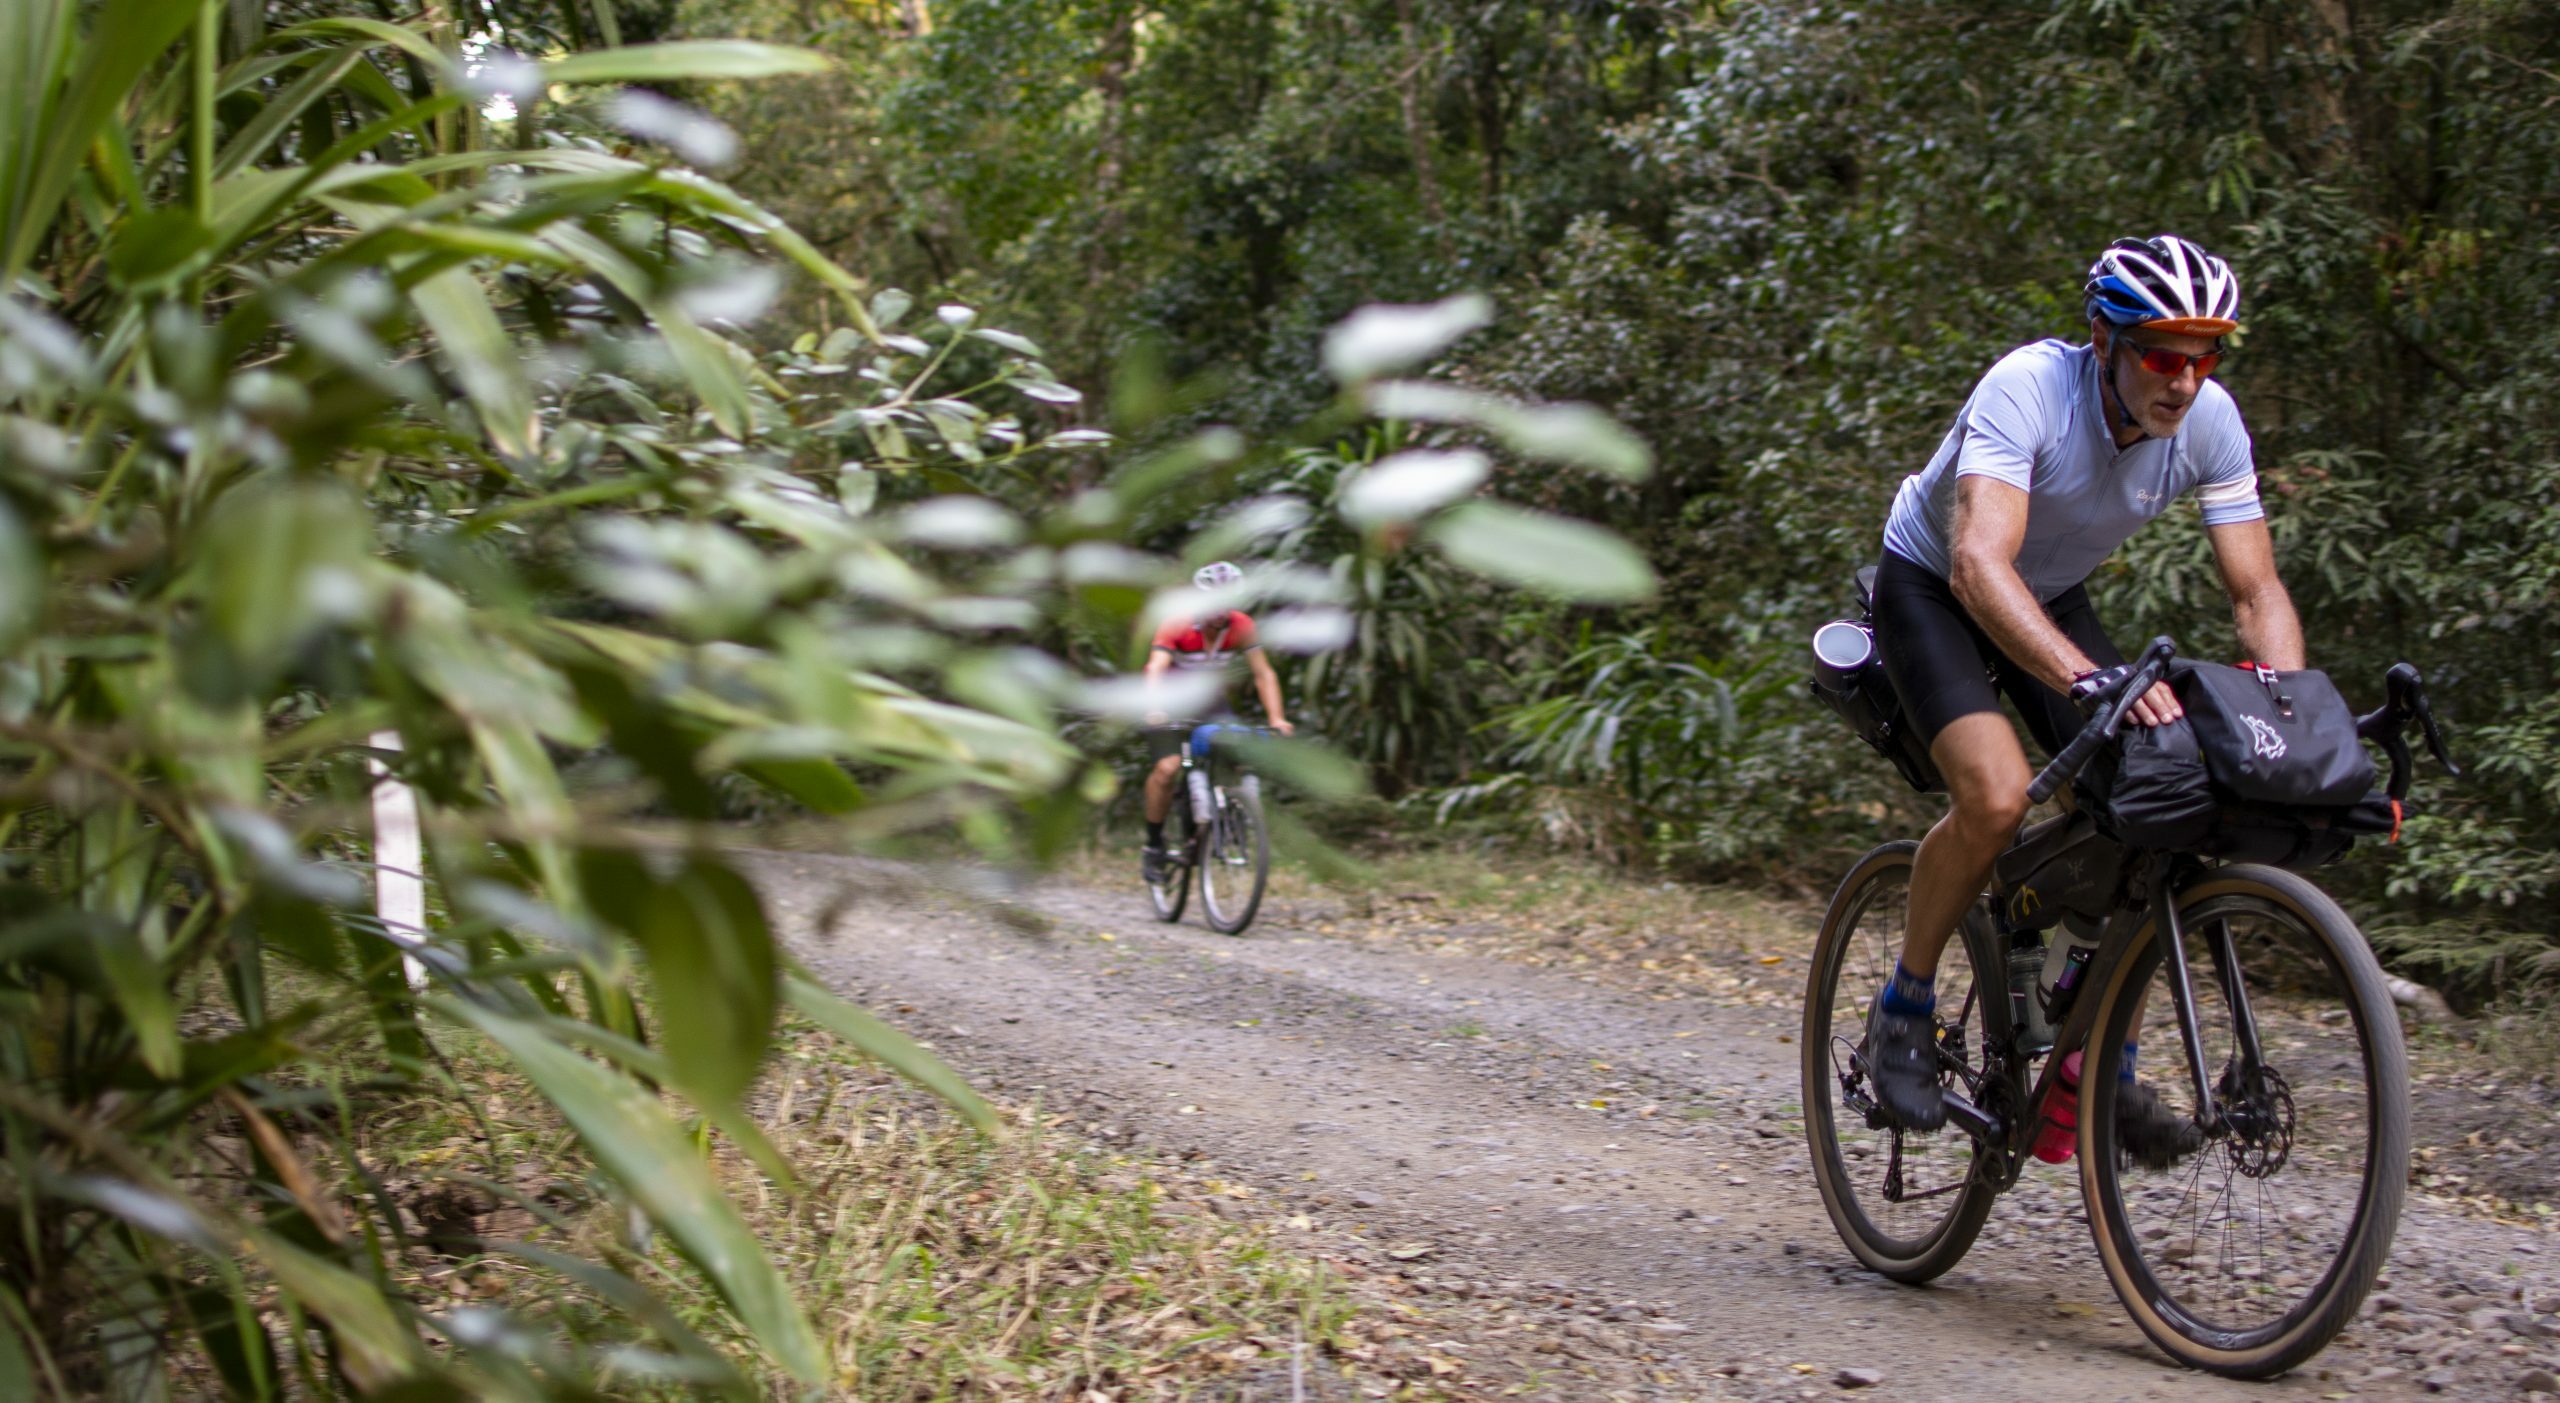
(1219, 833)
(2243, 1259)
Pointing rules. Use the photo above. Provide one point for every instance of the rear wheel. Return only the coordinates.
(1908, 1205)
(2247, 1257)
(1235, 862)
(1173, 890)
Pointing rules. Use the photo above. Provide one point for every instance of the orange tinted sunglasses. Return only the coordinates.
(2162, 361)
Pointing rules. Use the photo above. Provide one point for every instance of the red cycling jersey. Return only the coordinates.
(1207, 643)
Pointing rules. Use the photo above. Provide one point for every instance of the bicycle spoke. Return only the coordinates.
(2243, 1236)
(1901, 1182)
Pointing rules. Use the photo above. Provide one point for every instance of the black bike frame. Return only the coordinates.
(2168, 876)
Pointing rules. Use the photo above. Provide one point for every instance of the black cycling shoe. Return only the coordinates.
(1902, 1061)
(1154, 865)
(2149, 1132)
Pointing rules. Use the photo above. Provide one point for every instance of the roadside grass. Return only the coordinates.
(935, 1262)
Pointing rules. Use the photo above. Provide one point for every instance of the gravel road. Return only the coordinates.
(1618, 1175)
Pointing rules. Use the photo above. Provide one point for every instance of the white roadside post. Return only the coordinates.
(399, 861)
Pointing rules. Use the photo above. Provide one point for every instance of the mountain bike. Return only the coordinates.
(1219, 833)
(2243, 1259)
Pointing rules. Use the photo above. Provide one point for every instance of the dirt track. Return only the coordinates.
(1622, 1172)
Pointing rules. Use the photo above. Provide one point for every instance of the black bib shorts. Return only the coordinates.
(1944, 666)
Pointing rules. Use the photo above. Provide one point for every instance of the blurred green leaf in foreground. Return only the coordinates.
(338, 396)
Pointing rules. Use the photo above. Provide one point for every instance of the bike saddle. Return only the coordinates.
(1867, 588)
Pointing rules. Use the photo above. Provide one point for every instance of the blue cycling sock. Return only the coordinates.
(2125, 1072)
(1910, 993)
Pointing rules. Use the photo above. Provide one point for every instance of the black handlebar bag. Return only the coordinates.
(2203, 783)
(2267, 737)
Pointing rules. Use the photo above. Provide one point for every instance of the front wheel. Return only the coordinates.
(2248, 1256)
(1235, 861)
(1173, 890)
(1908, 1205)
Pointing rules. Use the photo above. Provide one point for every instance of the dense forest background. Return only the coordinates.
(603, 424)
(1780, 239)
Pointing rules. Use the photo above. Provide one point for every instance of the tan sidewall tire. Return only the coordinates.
(1820, 1098)
(2386, 1175)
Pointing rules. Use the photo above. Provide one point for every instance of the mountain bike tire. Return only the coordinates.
(2249, 1256)
(1235, 861)
(1174, 893)
(1920, 1238)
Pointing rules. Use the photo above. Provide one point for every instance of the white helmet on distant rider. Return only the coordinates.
(1217, 574)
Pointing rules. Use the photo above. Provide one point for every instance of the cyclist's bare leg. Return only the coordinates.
(1987, 776)
(1160, 785)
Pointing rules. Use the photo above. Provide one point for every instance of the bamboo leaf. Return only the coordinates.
(887, 1046)
(47, 125)
(22, 582)
(703, 357)
(643, 1148)
(372, 31)
(281, 110)
(819, 783)
(482, 356)
(17, 1371)
(142, 996)
(711, 955)
(376, 1348)
(687, 61)
(155, 249)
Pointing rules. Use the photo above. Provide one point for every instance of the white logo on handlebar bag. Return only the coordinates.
(2263, 738)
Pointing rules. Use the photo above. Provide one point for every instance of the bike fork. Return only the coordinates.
(2226, 962)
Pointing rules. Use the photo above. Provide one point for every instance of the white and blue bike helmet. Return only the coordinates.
(2166, 284)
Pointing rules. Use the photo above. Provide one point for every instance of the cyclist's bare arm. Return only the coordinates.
(1159, 662)
(2261, 609)
(1990, 525)
(1266, 685)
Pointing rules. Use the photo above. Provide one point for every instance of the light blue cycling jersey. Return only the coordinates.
(2035, 422)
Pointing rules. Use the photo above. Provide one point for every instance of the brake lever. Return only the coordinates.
(2408, 702)
(2435, 737)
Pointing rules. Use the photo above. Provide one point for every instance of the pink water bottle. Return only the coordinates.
(2061, 1133)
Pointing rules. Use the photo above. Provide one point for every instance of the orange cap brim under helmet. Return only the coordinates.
(2192, 326)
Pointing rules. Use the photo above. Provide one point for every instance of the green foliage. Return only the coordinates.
(331, 408)
(1411, 670)
(1782, 241)
(1718, 767)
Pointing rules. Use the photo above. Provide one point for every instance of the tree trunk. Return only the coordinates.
(1115, 58)
(1410, 87)
(1492, 125)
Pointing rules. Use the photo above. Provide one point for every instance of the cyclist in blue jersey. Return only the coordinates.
(2061, 453)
